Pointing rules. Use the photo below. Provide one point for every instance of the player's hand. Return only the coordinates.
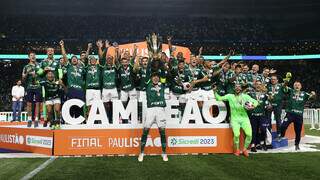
(313, 93)
(60, 82)
(33, 74)
(99, 43)
(89, 45)
(61, 43)
(200, 50)
(272, 71)
(231, 52)
(107, 44)
(169, 38)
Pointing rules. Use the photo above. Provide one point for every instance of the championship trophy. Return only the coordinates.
(154, 44)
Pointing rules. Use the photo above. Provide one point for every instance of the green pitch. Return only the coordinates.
(258, 166)
(226, 166)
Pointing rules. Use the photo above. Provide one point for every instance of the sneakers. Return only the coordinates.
(245, 153)
(140, 158)
(237, 152)
(36, 124)
(29, 124)
(297, 147)
(164, 157)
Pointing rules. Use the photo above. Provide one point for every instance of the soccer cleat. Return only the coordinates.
(140, 158)
(164, 157)
(253, 149)
(318, 129)
(29, 124)
(297, 147)
(245, 153)
(237, 152)
(36, 124)
(312, 128)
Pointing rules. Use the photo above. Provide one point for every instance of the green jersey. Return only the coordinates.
(51, 89)
(32, 79)
(222, 82)
(177, 80)
(126, 77)
(75, 76)
(296, 101)
(51, 64)
(155, 95)
(109, 77)
(143, 79)
(237, 103)
(93, 74)
(240, 79)
(262, 98)
(196, 74)
(277, 94)
(211, 80)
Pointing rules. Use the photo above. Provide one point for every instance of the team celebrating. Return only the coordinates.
(251, 97)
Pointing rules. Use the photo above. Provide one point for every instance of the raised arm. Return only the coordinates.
(88, 50)
(63, 52)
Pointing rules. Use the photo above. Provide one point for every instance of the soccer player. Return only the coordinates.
(84, 55)
(235, 77)
(294, 110)
(75, 75)
(52, 100)
(258, 120)
(180, 84)
(92, 81)
(155, 114)
(109, 77)
(127, 77)
(276, 95)
(197, 77)
(30, 76)
(239, 104)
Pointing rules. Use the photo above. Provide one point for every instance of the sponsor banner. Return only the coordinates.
(192, 141)
(127, 141)
(39, 141)
(27, 140)
(143, 49)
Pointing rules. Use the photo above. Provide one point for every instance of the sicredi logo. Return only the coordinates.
(192, 141)
(11, 138)
(39, 141)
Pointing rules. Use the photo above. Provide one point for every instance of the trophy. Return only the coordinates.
(154, 44)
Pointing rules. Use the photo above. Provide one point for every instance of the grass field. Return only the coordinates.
(226, 166)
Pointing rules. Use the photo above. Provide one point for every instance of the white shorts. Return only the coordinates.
(142, 96)
(167, 94)
(206, 95)
(109, 94)
(92, 95)
(124, 95)
(155, 115)
(181, 97)
(53, 101)
(194, 95)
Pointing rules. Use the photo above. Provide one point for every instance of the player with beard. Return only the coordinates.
(295, 107)
(197, 77)
(31, 78)
(258, 120)
(109, 77)
(239, 104)
(155, 114)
